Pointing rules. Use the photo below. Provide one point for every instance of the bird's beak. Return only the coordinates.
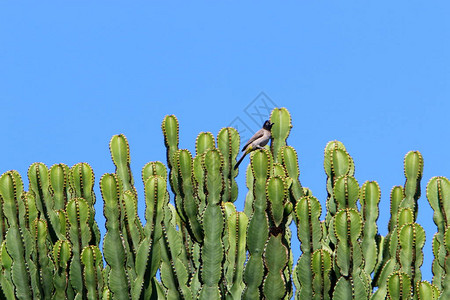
(272, 124)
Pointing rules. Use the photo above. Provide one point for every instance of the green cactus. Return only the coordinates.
(91, 258)
(280, 130)
(78, 214)
(120, 154)
(413, 173)
(399, 286)
(337, 162)
(62, 252)
(321, 267)
(202, 247)
(276, 253)
(228, 144)
(352, 283)
(369, 199)
(189, 203)
(148, 257)
(118, 278)
(438, 194)
(174, 262)
(236, 228)
(212, 250)
(288, 158)
(81, 182)
(425, 290)
(261, 164)
(307, 213)
(7, 287)
(43, 258)
(445, 277)
(19, 244)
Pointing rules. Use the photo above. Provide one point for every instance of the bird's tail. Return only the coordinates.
(248, 150)
(239, 161)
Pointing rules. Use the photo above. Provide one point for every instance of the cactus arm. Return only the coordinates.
(7, 287)
(370, 197)
(411, 239)
(81, 179)
(113, 249)
(396, 199)
(62, 253)
(120, 154)
(183, 159)
(39, 179)
(212, 250)
(228, 144)
(321, 267)
(59, 184)
(280, 129)
(237, 223)
(380, 276)
(399, 286)
(78, 214)
(19, 243)
(445, 280)
(346, 192)
(413, 168)
(309, 232)
(276, 259)
(276, 254)
(212, 253)
(258, 228)
(31, 212)
(153, 168)
(438, 195)
(133, 226)
(352, 283)
(91, 257)
(44, 263)
(148, 258)
(427, 291)
(204, 141)
(174, 275)
(288, 157)
(337, 162)
(170, 130)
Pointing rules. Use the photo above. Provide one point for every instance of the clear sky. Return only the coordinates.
(375, 76)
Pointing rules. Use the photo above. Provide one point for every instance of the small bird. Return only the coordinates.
(257, 141)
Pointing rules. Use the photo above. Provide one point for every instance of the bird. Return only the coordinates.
(257, 141)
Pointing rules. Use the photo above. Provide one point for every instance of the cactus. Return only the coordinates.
(276, 253)
(258, 225)
(62, 253)
(198, 242)
(118, 277)
(213, 225)
(228, 144)
(307, 213)
(280, 130)
(91, 259)
(370, 197)
(237, 223)
(19, 244)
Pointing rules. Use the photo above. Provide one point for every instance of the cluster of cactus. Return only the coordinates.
(198, 246)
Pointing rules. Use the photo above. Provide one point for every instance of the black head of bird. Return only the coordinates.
(267, 125)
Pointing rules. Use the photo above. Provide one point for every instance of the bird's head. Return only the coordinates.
(267, 125)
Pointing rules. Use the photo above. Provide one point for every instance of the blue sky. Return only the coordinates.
(375, 76)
